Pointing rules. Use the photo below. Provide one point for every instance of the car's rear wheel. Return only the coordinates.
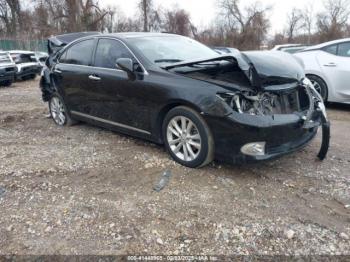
(188, 138)
(320, 86)
(59, 112)
(6, 83)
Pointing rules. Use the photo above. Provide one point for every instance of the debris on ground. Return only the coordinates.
(86, 190)
(164, 180)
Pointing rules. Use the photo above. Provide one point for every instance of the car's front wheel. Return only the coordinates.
(188, 138)
(320, 86)
(59, 112)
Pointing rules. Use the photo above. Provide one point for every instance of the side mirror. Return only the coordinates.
(127, 65)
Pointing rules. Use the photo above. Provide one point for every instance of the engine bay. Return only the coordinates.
(267, 103)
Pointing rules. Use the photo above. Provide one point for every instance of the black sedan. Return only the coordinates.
(172, 90)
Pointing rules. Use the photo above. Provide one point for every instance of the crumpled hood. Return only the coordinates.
(265, 70)
(275, 70)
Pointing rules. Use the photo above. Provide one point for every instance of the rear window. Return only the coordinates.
(4, 58)
(332, 49)
(23, 58)
(344, 49)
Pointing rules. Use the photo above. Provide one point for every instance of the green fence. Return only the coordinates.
(32, 45)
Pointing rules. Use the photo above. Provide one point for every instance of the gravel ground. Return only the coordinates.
(85, 190)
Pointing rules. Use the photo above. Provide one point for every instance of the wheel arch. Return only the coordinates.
(329, 94)
(164, 111)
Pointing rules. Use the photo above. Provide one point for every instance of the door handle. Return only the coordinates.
(331, 65)
(94, 78)
(58, 71)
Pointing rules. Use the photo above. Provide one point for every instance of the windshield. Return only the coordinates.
(172, 49)
(23, 58)
(4, 58)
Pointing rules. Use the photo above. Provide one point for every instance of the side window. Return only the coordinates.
(108, 51)
(344, 49)
(79, 54)
(332, 49)
(62, 57)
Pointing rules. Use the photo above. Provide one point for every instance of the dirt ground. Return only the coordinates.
(86, 190)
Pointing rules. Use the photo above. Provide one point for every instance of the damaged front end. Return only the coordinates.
(271, 101)
(302, 101)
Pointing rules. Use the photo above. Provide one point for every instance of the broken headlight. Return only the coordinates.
(259, 103)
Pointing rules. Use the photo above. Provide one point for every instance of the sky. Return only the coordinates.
(204, 11)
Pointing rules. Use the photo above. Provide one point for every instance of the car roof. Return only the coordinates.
(296, 46)
(285, 46)
(136, 35)
(65, 39)
(319, 46)
(21, 52)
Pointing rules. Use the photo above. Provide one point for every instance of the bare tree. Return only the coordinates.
(294, 23)
(178, 22)
(10, 12)
(332, 23)
(308, 21)
(146, 7)
(246, 28)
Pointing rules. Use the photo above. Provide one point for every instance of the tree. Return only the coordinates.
(332, 23)
(146, 7)
(308, 21)
(10, 12)
(294, 23)
(247, 28)
(178, 22)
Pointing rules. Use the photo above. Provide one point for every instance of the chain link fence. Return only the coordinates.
(30, 45)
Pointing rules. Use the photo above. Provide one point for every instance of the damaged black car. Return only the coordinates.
(172, 90)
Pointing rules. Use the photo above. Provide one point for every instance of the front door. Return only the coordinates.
(119, 99)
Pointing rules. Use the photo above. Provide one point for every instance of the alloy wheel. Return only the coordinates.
(318, 88)
(57, 111)
(183, 138)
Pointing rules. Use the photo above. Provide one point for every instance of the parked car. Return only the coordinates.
(287, 46)
(293, 50)
(174, 91)
(7, 69)
(328, 67)
(225, 50)
(290, 48)
(41, 57)
(26, 63)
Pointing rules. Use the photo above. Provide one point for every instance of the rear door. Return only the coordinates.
(335, 63)
(72, 74)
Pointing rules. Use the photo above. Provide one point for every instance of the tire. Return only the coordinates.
(320, 86)
(193, 147)
(8, 83)
(32, 77)
(59, 112)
